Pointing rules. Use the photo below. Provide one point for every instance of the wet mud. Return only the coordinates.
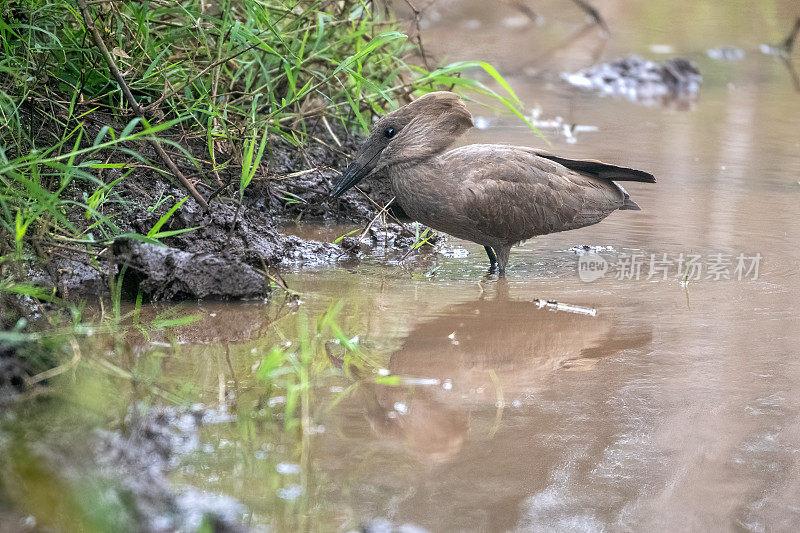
(206, 247)
(165, 273)
(674, 81)
(13, 373)
(125, 470)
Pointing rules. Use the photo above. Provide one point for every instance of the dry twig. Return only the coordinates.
(788, 44)
(593, 13)
(417, 18)
(139, 110)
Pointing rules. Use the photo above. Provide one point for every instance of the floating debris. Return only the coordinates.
(560, 126)
(217, 416)
(276, 400)
(420, 381)
(383, 525)
(590, 249)
(557, 306)
(454, 253)
(662, 48)
(481, 123)
(401, 408)
(640, 80)
(726, 53)
(770, 50)
(516, 22)
(291, 492)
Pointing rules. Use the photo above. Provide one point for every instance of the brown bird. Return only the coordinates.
(491, 194)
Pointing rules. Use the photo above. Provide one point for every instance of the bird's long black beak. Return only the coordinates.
(365, 161)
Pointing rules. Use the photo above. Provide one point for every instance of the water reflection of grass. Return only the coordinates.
(277, 385)
(279, 403)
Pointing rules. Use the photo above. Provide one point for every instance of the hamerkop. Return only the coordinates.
(490, 194)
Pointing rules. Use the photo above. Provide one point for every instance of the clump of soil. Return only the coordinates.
(675, 81)
(167, 273)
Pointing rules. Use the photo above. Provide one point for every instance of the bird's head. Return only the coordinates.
(413, 133)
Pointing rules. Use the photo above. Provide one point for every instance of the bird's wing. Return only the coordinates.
(513, 194)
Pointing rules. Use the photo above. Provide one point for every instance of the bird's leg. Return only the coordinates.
(502, 259)
(492, 257)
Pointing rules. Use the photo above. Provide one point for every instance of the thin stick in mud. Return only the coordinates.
(112, 67)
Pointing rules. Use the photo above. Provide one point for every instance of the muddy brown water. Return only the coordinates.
(676, 407)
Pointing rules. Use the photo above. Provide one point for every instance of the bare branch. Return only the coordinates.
(593, 13)
(417, 18)
(788, 44)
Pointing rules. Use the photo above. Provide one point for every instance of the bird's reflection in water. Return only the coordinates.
(494, 353)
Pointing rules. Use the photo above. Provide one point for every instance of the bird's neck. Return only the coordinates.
(414, 173)
(412, 186)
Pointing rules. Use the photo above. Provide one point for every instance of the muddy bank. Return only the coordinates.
(226, 250)
(229, 251)
(167, 273)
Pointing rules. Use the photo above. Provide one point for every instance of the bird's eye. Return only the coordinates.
(389, 133)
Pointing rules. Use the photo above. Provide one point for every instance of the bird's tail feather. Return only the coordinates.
(600, 169)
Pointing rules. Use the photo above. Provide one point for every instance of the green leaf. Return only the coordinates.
(376, 42)
(129, 128)
(170, 233)
(339, 238)
(270, 363)
(163, 220)
(388, 380)
(100, 135)
(175, 322)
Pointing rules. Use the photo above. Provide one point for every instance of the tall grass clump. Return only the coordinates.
(217, 82)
